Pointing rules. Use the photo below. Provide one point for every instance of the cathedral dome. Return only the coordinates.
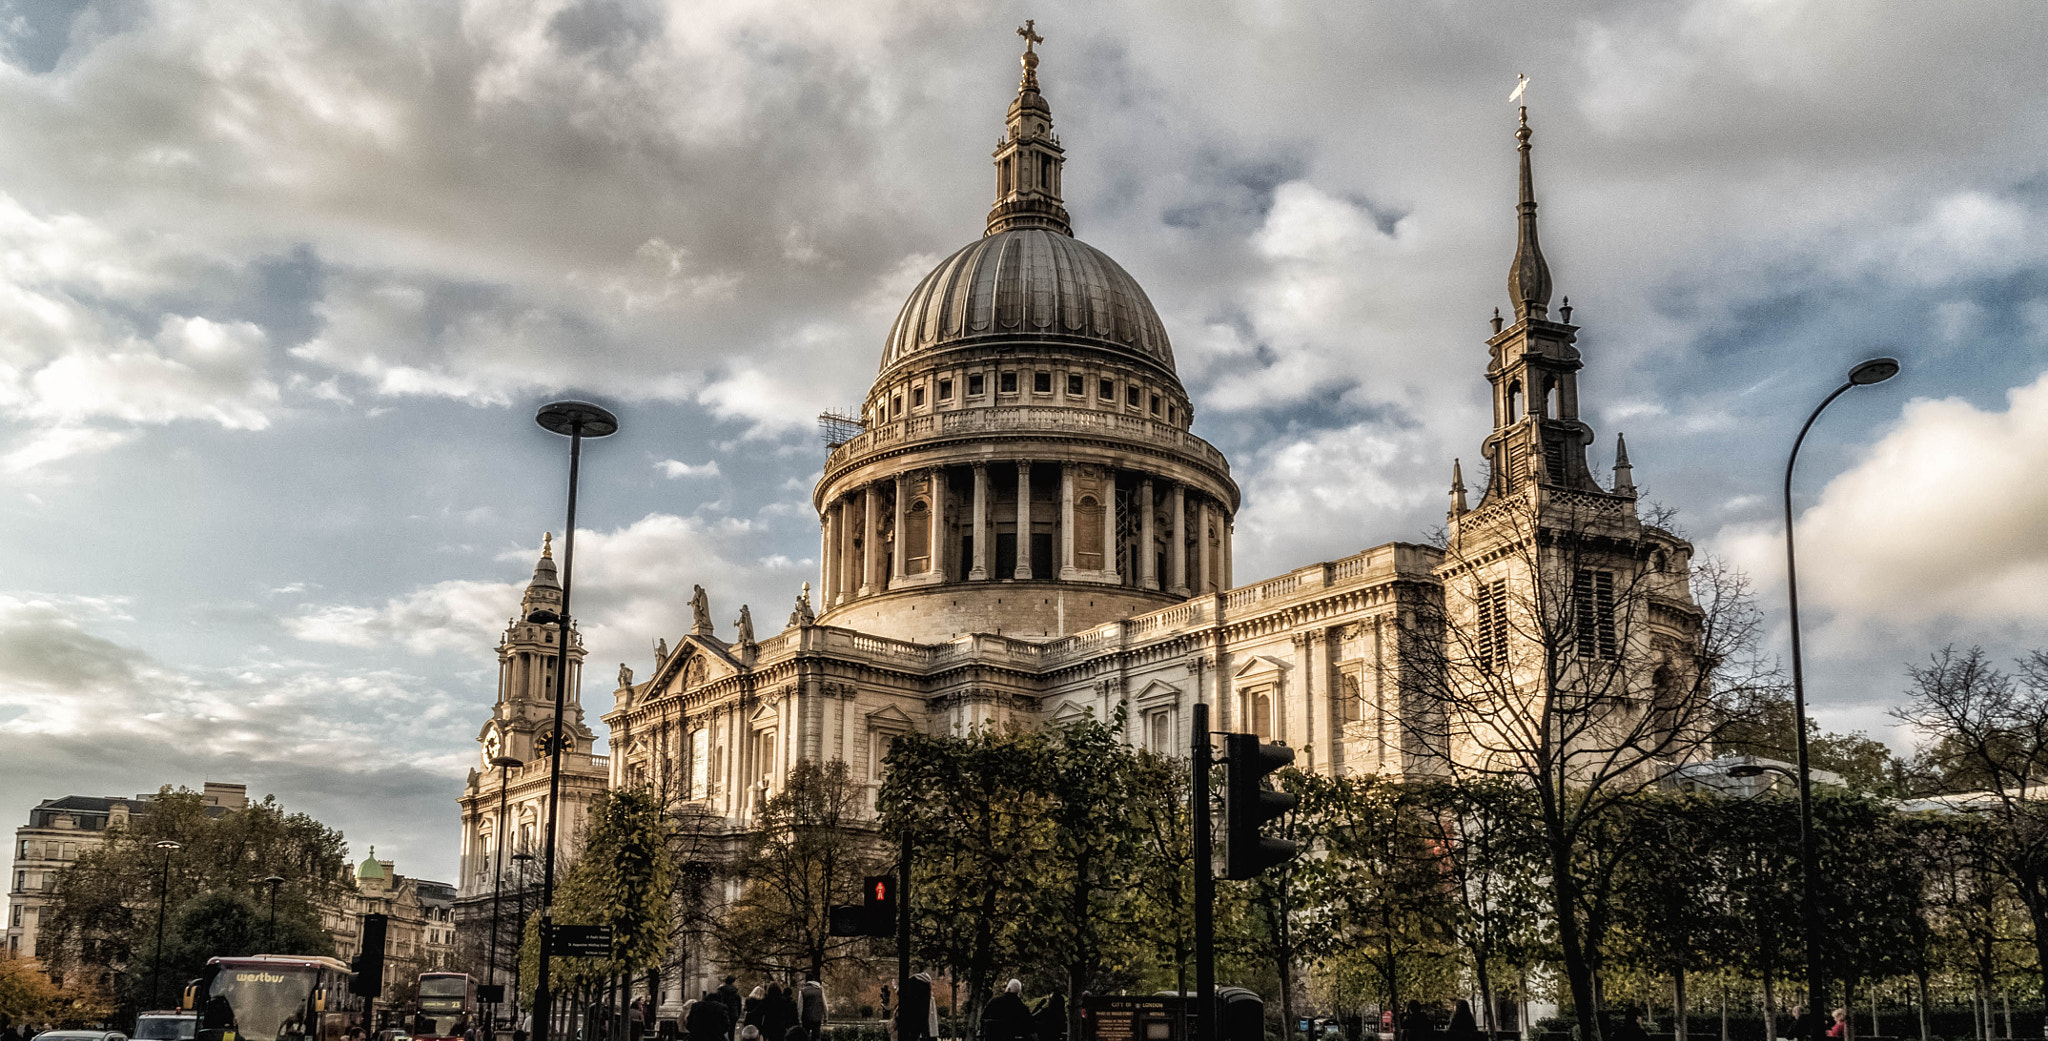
(1028, 284)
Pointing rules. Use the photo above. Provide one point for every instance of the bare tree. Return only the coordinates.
(1580, 654)
(1990, 736)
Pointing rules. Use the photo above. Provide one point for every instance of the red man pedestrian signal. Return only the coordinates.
(876, 913)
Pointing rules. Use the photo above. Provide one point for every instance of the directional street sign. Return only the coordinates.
(581, 941)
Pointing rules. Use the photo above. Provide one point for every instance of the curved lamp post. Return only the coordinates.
(575, 420)
(505, 765)
(163, 895)
(1876, 370)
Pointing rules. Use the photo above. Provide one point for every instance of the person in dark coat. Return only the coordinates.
(1416, 1025)
(1631, 1028)
(779, 1013)
(708, 1021)
(1464, 1027)
(729, 995)
(754, 1008)
(1006, 1017)
(1051, 1020)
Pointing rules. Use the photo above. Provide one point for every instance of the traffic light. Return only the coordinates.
(1248, 805)
(369, 965)
(878, 903)
(875, 915)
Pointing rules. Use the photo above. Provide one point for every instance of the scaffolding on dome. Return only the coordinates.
(837, 427)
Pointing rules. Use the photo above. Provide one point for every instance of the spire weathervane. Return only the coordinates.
(1529, 277)
(1521, 84)
(1029, 32)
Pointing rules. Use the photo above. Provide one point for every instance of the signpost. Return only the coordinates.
(1110, 1018)
(581, 941)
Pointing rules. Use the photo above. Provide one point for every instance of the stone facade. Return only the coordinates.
(1024, 530)
(419, 935)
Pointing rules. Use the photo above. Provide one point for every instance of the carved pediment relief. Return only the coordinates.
(889, 717)
(1156, 693)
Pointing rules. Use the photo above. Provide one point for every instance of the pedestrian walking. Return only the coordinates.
(811, 1006)
(780, 1013)
(729, 996)
(1631, 1028)
(1051, 1020)
(708, 1020)
(1840, 1030)
(1464, 1027)
(636, 1020)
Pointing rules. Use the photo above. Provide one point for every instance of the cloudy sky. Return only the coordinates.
(281, 284)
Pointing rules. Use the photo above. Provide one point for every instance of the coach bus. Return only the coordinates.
(271, 997)
(447, 1005)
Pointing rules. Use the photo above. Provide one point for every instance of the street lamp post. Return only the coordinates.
(1876, 370)
(163, 895)
(271, 942)
(575, 420)
(504, 763)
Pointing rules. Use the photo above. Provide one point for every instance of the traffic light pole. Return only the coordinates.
(1205, 879)
(903, 938)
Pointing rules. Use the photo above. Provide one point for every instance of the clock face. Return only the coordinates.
(545, 743)
(491, 747)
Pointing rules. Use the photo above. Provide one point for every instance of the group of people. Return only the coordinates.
(768, 1013)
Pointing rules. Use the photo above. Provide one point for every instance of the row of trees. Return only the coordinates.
(99, 927)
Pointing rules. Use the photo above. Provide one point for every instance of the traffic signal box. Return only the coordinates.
(368, 966)
(875, 915)
(1249, 805)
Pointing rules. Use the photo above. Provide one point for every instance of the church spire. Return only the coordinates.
(1029, 157)
(1529, 278)
(1624, 474)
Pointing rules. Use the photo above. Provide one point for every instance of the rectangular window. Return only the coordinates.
(945, 390)
(1593, 613)
(977, 384)
(1075, 386)
(1131, 396)
(916, 396)
(1008, 385)
(896, 405)
(1155, 404)
(1106, 391)
(1041, 383)
(1492, 604)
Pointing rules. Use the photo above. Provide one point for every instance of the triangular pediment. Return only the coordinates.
(1070, 712)
(1259, 663)
(1156, 692)
(765, 716)
(889, 717)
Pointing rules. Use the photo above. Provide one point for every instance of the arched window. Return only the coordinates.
(1514, 401)
(1262, 715)
(1550, 399)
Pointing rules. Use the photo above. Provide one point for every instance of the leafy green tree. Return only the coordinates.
(1493, 867)
(215, 924)
(1667, 896)
(974, 810)
(1164, 868)
(620, 880)
(102, 913)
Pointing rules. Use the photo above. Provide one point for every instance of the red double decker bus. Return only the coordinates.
(447, 1006)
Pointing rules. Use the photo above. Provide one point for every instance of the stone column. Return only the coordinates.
(937, 541)
(1205, 573)
(1066, 521)
(1148, 557)
(1109, 546)
(849, 560)
(899, 555)
(1177, 555)
(1224, 530)
(980, 572)
(871, 542)
(1023, 519)
(827, 580)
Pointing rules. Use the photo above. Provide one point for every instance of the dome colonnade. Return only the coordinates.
(1027, 426)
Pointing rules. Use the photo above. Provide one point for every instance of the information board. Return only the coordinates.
(581, 941)
(1111, 1018)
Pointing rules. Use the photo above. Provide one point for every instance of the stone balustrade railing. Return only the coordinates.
(1024, 419)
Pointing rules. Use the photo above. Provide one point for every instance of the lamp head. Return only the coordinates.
(1876, 370)
(577, 418)
(274, 881)
(1745, 771)
(522, 857)
(168, 846)
(506, 762)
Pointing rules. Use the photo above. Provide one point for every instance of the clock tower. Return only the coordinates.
(521, 727)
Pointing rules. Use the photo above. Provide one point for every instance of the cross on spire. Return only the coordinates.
(1030, 34)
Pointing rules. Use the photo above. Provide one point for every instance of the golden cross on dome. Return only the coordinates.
(1029, 34)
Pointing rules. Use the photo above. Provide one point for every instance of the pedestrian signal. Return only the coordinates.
(875, 915)
(1248, 805)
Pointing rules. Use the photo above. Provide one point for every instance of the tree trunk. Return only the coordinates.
(1770, 1008)
(1724, 1011)
(1486, 993)
(1926, 1030)
(1678, 1003)
(1578, 972)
